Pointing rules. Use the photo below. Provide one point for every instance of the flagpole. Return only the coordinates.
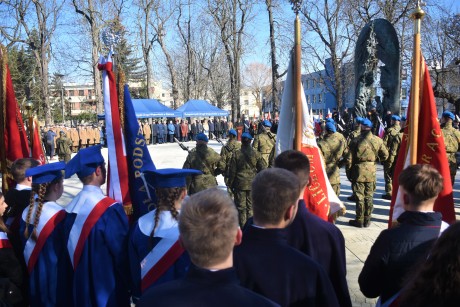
(297, 79)
(417, 16)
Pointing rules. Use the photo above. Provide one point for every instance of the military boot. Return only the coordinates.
(355, 223)
(386, 196)
(367, 221)
(352, 197)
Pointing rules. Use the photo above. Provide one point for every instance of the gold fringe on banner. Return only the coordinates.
(3, 76)
(121, 94)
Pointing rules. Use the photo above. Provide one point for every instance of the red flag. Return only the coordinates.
(319, 196)
(117, 178)
(430, 150)
(15, 144)
(37, 148)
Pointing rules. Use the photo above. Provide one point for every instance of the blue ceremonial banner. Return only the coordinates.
(139, 160)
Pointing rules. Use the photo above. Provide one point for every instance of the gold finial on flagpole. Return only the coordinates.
(417, 14)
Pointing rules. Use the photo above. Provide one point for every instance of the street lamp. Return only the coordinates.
(60, 76)
(29, 105)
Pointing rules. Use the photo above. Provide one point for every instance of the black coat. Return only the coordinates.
(396, 251)
(266, 264)
(11, 269)
(203, 288)
(154, 129)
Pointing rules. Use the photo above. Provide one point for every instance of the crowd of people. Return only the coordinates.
(254, 244)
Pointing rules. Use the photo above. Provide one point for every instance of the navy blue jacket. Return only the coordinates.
(203, 288)
(266, 264)
(396, 251)
(323, 242)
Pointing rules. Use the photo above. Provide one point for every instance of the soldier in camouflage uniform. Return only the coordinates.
(333, 146)
(265, 141)
(205, 160)
(354, 134)
(392, 141)
(452, 142)
(244, 166)
(361, 156)
(63, 147)
(226, 154)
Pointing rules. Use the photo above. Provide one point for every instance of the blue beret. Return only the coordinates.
(202, 137)
(85, 162)
(267, 123)
(232, 132)
(330, 127)
(46, 173)
(330, 120)
(403, 118)
(448, 114)
(170, 177)
(367, 123)
(359, 120)
(396, 118)
(246, 135)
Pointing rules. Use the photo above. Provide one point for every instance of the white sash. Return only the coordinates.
(48, 211)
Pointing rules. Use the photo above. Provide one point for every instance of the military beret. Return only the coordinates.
(246, 136)
(448, 114)
(403, 118)
(232, 132)
(330, 120)
(267, 123)
(396, 118)
(330, 127)
(202, 137)
(366, 123)
(359, 120)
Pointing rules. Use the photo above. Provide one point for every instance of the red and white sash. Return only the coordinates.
(52, 214)
(4, 242)
(87, 216)
(165, 253)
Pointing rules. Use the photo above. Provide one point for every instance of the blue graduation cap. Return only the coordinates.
(170, 177)
(46, 173)
(85, 162)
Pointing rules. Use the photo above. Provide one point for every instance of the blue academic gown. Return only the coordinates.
(101, 276)
(266, 264)
(51, 277)
(140, 245)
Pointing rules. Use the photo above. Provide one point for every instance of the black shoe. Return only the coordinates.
(386, 196)
(355, 223)
(352, 198)
(366, 223)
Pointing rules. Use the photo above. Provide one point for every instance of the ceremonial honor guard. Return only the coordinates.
(97, 242)
(44, 226)
(155, 254)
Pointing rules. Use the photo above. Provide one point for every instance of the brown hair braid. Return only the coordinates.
(166, 198)
(41, 190)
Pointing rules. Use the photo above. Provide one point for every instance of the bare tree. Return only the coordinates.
(162, 15)
(324, 20)
(147, 38)
(88, 9)
(231, 17)
(37, 20)
(256, 77)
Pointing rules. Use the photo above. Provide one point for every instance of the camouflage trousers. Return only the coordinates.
(364, 192)
(388, 170)
(453, 171)
(65, 158)
(336, 188)
(243, 204)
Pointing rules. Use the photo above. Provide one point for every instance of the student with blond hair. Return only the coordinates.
(208, 226)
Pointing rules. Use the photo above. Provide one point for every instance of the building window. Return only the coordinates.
(245, 93)
(308, 98)
(90, 93)
(71, 93)
(313, 98)
(306, 84)
(246, 102)
(320, 98)
(313, 83)
(81, 93)
(162, 95)
(171, 104)
(404, 93)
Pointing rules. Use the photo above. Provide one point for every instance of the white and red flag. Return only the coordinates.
(430, 150)
(117, 177)
(319, 196)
